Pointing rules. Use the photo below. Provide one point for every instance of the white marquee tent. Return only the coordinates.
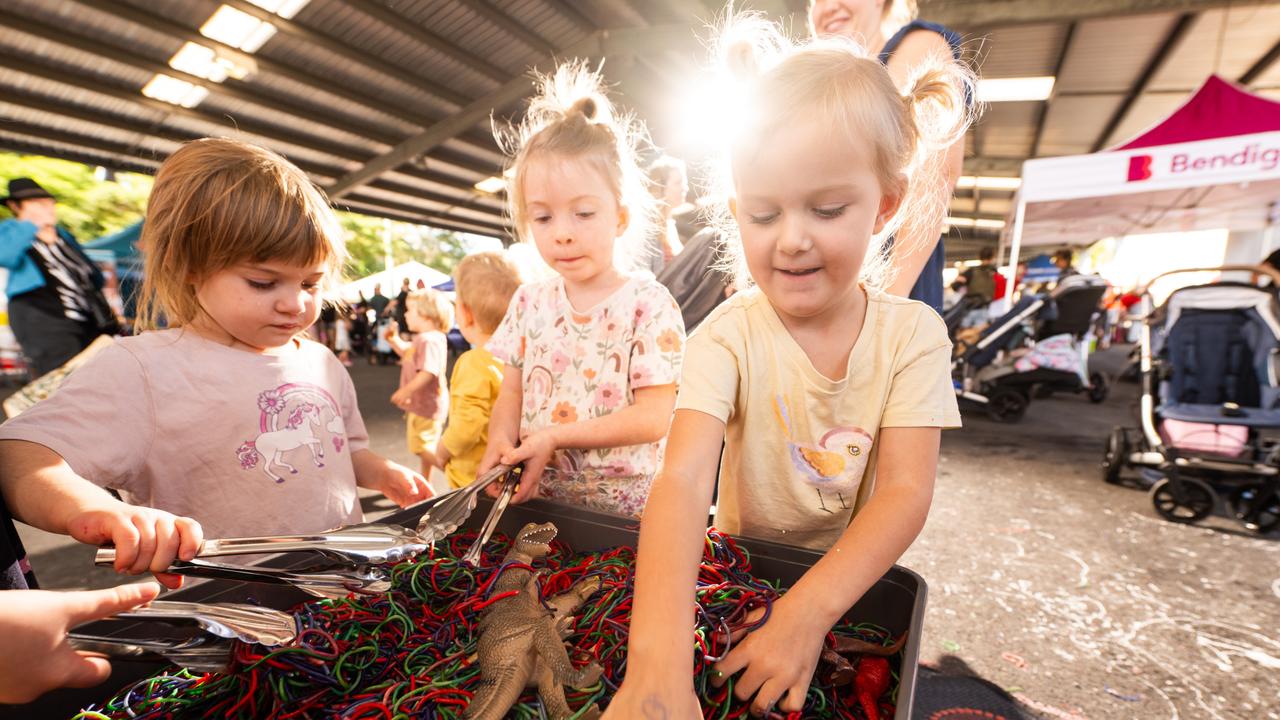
(1214, 163)
(390, 280)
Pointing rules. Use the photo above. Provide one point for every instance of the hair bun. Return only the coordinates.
(740, 59)
(585, 106)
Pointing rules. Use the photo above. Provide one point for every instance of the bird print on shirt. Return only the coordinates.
(834, 464)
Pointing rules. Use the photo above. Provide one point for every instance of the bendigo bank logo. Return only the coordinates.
(1139, 168)
(1254, 157)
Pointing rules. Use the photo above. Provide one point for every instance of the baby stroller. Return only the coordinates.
(1210, 404)
(1037, 348)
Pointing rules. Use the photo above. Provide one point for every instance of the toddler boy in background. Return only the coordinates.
(485, 283)
(422, 392)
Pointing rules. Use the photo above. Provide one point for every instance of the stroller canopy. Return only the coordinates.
(1221, 341)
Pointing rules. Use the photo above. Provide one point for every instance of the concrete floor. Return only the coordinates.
(1070, 593)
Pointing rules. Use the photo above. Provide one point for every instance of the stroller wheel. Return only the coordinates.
(1267, 517)
(1116, 455)
(1098, 389)
(1007, 405)
(1187, 500)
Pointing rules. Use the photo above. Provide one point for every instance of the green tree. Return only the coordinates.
(87, 206)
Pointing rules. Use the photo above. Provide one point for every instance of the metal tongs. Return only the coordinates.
(453, 509)
(509, 483)
(352, 555)
(223, 623)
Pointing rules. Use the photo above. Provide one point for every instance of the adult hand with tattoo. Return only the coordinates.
(653, 699)
(777, 659)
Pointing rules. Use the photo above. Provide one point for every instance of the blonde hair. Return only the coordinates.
(571, 117)
(485, 283)
(218, 202)
(432, 305)
(834, 83)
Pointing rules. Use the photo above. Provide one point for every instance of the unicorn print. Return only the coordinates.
(300, 407)
(299, 431)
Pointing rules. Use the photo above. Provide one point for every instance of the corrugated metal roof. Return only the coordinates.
(344, 83)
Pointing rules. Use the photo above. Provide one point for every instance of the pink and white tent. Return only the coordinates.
(1214, 163)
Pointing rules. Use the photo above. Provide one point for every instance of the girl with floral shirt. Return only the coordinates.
(596, 350)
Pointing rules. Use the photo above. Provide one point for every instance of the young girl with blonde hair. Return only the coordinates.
(229, 416)
(593, 354)
(829, 394)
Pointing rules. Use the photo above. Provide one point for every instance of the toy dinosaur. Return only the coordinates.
(522, 640)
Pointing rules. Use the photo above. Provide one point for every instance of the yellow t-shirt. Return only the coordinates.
(799, 457)
(473, 388)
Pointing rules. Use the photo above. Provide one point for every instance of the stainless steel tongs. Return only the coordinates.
(453, 509)
(223, 621)
(509, 484)
(354, 553)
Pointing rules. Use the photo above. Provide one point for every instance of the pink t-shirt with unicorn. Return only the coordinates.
(246, 444)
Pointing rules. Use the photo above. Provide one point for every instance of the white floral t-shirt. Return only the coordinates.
(578, 365)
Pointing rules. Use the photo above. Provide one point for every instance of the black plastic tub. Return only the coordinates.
(896, 602)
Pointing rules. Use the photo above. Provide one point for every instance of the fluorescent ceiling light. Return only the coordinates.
(230, 26)
(284, 8)
(258, 37)
(989, 183)
(1014, 89)
(491, 185)
(198, 60)
(174, 91)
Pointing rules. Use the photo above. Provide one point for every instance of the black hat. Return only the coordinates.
(25, 189)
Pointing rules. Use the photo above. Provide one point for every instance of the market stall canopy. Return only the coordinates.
(120, 244)
(390, 280)
(1214, 163)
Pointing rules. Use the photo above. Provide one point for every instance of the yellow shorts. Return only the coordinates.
(422, 433)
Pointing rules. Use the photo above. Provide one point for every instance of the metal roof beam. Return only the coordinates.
(1057, 71)
(153, 21)
(250, 126)
(230, 88)
(485, 10)
(243, 91)
(969, 14)
(415, 219)
(602, 43)
(407, 207)
(132, 151)
(573, 14)
(26, 99)
(999, 167)
(1259, 68)
(1180, 28)
(112, 162)
(418, 33)
(338, 47)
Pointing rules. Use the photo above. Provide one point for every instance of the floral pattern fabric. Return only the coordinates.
(578, 365)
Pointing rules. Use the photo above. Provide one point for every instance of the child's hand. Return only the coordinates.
(535, 452)
(779, 659)
(145, 538)
(34, 653)
(401, 485)
(392, 330)
(401, 398)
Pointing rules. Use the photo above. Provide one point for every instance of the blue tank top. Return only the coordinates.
(928, 287)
